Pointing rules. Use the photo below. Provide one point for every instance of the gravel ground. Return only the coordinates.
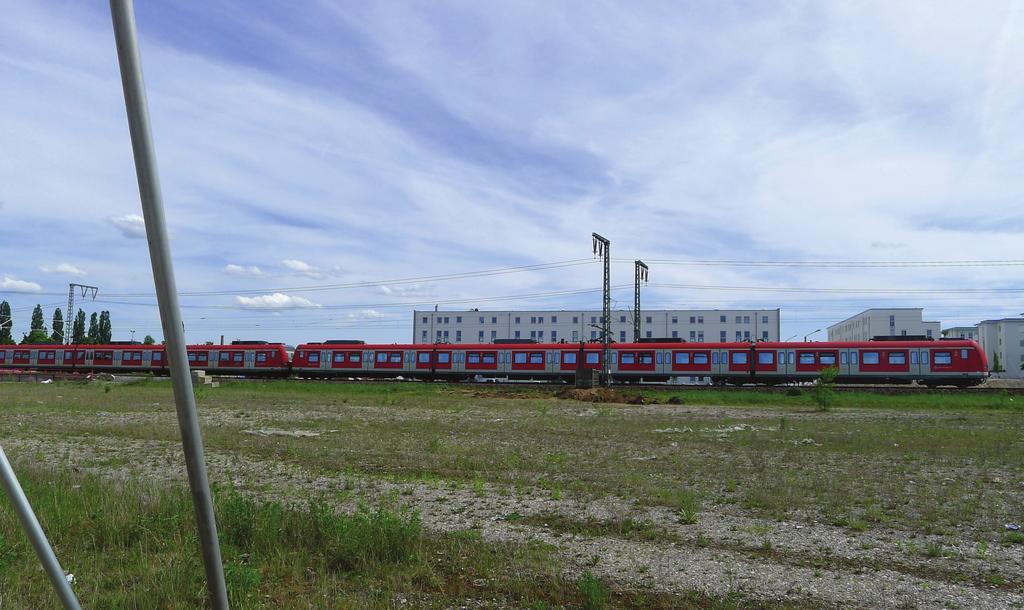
(725, 551)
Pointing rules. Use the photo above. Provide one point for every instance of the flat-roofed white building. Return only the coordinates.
(1003, 342)
(695, 325)
(961, 332)
(884, 322)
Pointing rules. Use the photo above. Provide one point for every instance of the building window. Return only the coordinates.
(700, 336)
(540, 319)
(533, 319)
(622, 319)
(693, 319)
(445, 335)
(700, 319)
(739, 336)
(533, 334)
(446, 320)
(494, 319)
(693, 335)
(648, 319)
(622, 336)
(739, 319)
(424, 319)
(494, 335)
(575, 335)
(593, 334)
(517, 319)
(438, 335)
(764, 335)
(892, 320)
(458, 336)
(540, 335)
(480, 336)
(721, 336)
(593, 319)
(575, 319)
(517, 335)
(424, 335)
(458, 319)
(554, 319)
(554, 336)
(764, 319)
(746, 319)
(929, 333)
(721, 319)
(675, 319)
(746, 335)
(648, 334)
(481, 319)
(675, 334)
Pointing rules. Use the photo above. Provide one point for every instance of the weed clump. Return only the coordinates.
(595, 594)
(824, 388)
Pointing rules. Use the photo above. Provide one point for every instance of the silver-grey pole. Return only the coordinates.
(35, 534)
(123, 14)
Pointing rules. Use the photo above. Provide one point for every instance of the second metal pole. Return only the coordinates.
(123, 15)
(35, 534)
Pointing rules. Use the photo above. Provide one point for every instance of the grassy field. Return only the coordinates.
(489, 497)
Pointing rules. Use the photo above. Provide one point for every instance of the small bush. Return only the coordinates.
(595, 595)
(794, 392)
(824, 388)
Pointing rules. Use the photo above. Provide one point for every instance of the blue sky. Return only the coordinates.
(337, 143)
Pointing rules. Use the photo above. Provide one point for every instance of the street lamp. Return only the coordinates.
(811, 335)
(133, 336)
(792, 337)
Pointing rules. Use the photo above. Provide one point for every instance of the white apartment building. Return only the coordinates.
(961, 332)
(884, 322)
(695, 325)
(1003, 339)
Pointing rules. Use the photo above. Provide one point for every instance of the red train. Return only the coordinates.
(955, 362)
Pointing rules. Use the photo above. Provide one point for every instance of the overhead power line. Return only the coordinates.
(831, 264)
(843, 290)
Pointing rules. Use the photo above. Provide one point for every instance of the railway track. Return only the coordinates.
(30, 376)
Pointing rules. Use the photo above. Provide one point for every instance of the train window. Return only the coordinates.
(261, 356)
(314, 357)
(627, 358)
(593, 358)
(739, 357)
(897, 357)
(444, 358)
(682, 357)
(963, 354)
(536, 357)
(489, 358)
(943, 358)
(700, 358)
(201, 356)
(827, 358)
(237, 356)
(806, 358)
(68, 355)
(473, 358)
(647, 358)
(568, 357)
(338, 357)
(423, 357)
(853, 357)
(519, 358)
(355, 357)
(191, 357)
(924, 356)
(3, 355)
(395, 358)
(843, 357)
(714, 358)
(913, 356)
(870, 358)
(157, 356)
(766, 357)
(224, 356)
(382, 357)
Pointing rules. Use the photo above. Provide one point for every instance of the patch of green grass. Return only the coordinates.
(595, 594)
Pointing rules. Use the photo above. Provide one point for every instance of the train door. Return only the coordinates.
(249, 360)
(926, 365)
(915, 364)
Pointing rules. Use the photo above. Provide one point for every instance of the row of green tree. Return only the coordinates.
(99, 329)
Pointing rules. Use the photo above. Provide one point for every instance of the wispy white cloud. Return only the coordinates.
(298, 266)
(15, 285)
(409, 290)
(63, 268)
(276, 300)
(243, 271)
(131, 226)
